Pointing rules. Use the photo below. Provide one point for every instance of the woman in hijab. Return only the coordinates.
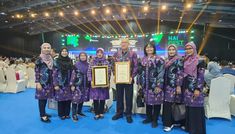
(61, 79)
(43, 75)
(151, 82)
(213, 71)
(172, 85)
(99, 95)
(79, 86)
(193, 96)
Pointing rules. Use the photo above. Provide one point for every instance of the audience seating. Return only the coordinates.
(217, 105)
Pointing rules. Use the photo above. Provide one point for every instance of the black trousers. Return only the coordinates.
(167, 117)
(128, 90)
(76, 108)
(152, 112)
(42, 107)
(195, 120)
(99, 106)
(64, 108)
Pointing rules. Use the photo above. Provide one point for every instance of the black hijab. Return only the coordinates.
(65, 63)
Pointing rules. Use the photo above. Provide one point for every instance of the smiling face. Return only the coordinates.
(46, 49)
(64, 53)
(171, 51)
(53, 53)
(149, 50)
(124, 45)
(83, 57)
(189, 50)
(99, 54)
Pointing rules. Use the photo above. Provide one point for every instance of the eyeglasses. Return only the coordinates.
(188, 48)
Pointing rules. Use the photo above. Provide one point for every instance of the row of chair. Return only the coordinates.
(9, 83)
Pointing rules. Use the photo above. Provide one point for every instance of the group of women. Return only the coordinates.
(169, 81)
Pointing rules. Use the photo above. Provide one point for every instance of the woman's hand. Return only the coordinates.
(178, 90)
(157, 90)
(38, 86)
(73, 88)
(57, 87)
(196, 93)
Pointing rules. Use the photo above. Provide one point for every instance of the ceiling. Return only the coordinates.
(17, 14)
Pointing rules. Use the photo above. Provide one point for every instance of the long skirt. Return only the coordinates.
(195, 120)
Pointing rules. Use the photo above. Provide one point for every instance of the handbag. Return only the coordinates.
(178, 111)
(52, 104)
(140, 98)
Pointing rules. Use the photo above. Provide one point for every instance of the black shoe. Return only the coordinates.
(81, 114)
(62, 117)
(48, 115)
(67, 117)
(129, 119)
(101, 116)
(75, 118)
(96, 117)
(47, 120)
(117, 116)
(146, 121)
(154, 124)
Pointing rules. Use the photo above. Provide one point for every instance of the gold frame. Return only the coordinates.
(129, 69)
(93, 84)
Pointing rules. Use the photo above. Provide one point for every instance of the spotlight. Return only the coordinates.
(107, 11)
(93, 12)
(124, 10)
(17, 16)
(146, 8)
(76, 13)
(164, 7)
(189, 5)
(33, 15)
(46, 14)
(61, 14)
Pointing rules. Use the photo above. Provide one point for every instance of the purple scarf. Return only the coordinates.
(191, 61)
(46, 58)
(99, 60)
(171, 59)
(83, 67)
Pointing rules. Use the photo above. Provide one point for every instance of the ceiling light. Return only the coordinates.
(164, 7)
(93, 12)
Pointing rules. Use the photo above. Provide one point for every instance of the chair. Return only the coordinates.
(13, 85)
(232, 105)
(31, 78)
(232, 78)
(217, 104)
(3, 83)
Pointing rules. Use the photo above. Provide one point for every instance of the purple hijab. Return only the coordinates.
(171, 59)
(82, 65)
(46, 58)
(191, 61)
(101, 60)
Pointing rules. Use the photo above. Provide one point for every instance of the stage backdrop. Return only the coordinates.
(77, 43)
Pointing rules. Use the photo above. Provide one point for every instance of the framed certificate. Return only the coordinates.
(122, 72)
(100, 76)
